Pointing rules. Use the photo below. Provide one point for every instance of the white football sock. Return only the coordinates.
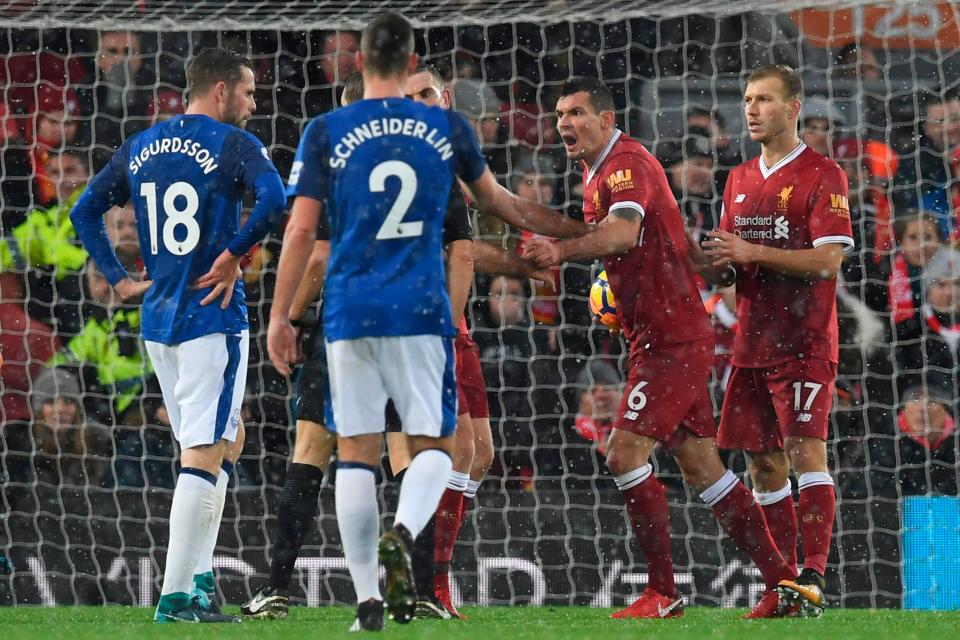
(420, 492)
(358, 516)
(206, 560)
(192, 514)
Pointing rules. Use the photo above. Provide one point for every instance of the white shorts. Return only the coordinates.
(416, 372)
(202, 381)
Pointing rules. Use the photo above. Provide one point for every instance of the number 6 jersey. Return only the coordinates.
(186, 178)
(384, 170)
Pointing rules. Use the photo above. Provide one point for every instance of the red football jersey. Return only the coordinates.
(657, 298)
(799, 203)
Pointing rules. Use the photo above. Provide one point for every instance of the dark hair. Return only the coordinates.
(352, 88)
(432, 70)
(600, 97)
(908, 217)
(700, 111)
(931, 97)
(790, 79)
(211, 66)
(387, 44)
(81, 156)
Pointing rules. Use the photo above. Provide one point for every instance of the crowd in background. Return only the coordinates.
(80, 403)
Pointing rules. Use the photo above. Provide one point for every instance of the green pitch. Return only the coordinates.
(493, 623)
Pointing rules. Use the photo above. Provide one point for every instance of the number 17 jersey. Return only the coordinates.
(384, 170)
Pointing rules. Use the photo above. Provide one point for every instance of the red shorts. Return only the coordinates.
(471, 389)
(761, 407)
(667, 397)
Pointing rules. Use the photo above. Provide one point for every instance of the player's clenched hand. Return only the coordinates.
(129, 288)
(725, 248)
(282, 345)
(222, 276)
(544, 252)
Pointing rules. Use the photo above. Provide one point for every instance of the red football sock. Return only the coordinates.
(818, 504)
(447, 528)
(650, 517)
(742, 519)
(782, 519)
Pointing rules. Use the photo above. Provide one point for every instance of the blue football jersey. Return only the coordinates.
(384, 170)
(186, 178)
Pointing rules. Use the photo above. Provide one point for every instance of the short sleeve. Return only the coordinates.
(248, 156)
(470, 162)
(111, 182)
(623, 184)
(310, 174)
(829, 221)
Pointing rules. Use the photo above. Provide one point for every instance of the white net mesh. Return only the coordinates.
(85, 508)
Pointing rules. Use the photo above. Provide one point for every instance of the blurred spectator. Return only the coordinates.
(690, 168)
(602, 386)
(25, 345)
(531, 182)
(927, 443)
(15, 161)
(917, 242)
(45, 248)
(118, 101)
(325, 76)
(818, 119)
(38, 67)
(941, 314)
(919, 246)
(856, 62)
(166, 105)
(54, 128)
(108, 352)
(61, 448)
(479, 103)
(710, 119)
(866, 270)
(923, 178)
(507, 349)
(481, 107)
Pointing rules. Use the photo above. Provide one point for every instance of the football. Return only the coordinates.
(602, 304)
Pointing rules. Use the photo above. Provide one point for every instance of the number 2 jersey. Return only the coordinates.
(384, 171)
(799, 203)
(186, 178)
(657, 297)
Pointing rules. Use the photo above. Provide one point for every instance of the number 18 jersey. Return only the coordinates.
(186, 178)
(384, 170)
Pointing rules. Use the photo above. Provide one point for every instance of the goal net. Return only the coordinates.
(87, 479)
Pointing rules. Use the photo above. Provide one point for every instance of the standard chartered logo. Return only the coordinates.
(780, 228)
(759, 227)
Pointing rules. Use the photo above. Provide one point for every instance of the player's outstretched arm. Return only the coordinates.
(495, 200)
(493, 260)
(617, 233)
(821, 262)
(460, 267)
(298, 242)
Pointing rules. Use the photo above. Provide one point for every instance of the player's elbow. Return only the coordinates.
(319, 256)
(461, 254)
